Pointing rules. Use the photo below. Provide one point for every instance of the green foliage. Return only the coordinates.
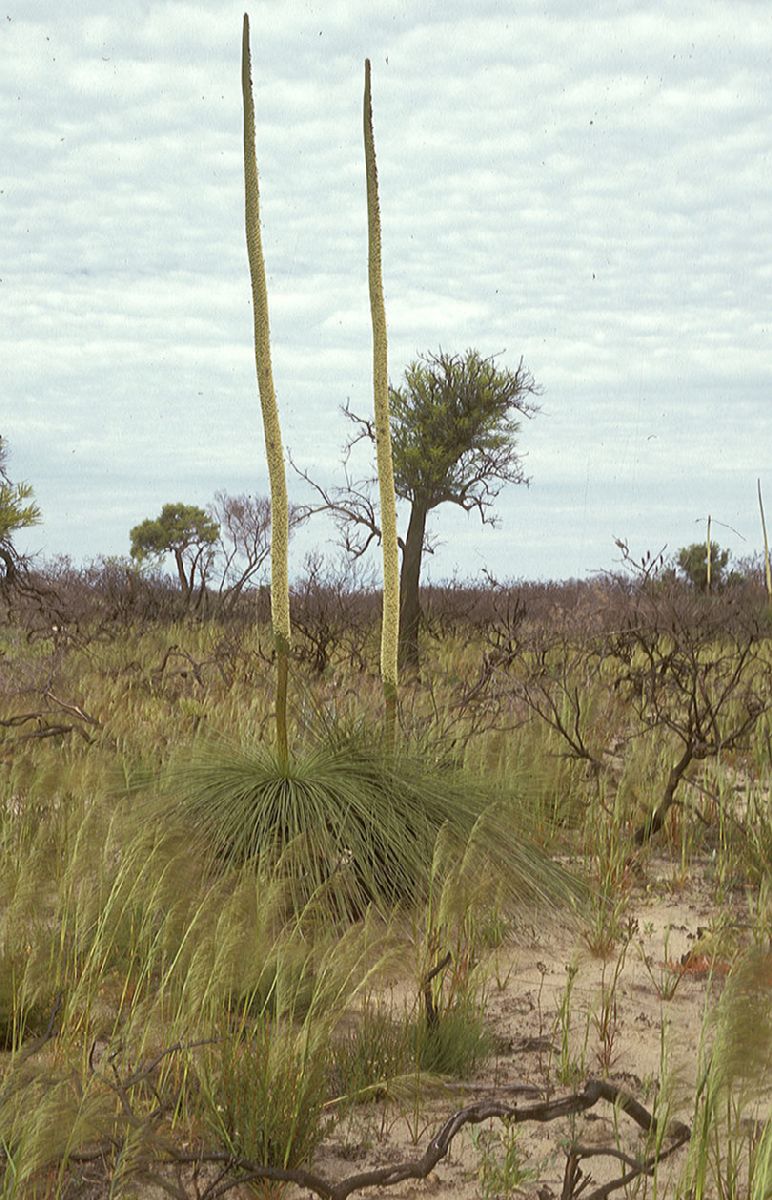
(730, 1145)
(743, 1049)
(761, 1186)
(454, 428)
(501, 1172)
(693, 564)
(371, 1053)
(454, 434)
(21, 1015)
(178, 527)
(265, 1084)
(457, 1044)
(183, 530)
(355, 819)
(18, 511)
(44, 1118)
(266, 1091)
(386, 1052)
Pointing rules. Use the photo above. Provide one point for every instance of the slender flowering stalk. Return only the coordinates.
(390, 624)
(767, 565)
(274, 451)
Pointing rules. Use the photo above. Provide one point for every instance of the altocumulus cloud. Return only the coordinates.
(587, 190)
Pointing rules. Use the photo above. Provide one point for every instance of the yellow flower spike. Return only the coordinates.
(274, 450)
(390, 625)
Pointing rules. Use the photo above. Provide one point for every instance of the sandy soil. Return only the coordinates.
(655, 1018)
(650, 1035)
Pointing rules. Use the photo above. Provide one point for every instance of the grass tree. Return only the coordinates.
(347, 818)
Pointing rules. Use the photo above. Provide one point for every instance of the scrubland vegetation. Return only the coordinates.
(273, 919)
(183, 1011)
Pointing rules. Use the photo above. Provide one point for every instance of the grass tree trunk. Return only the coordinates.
(410, 578)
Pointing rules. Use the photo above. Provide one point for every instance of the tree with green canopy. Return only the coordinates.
(18, 510)
(693, 564)
(455, 422)
(186, 532)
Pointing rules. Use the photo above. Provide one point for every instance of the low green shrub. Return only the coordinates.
(354, 820)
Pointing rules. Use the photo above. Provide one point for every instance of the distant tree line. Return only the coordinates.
(455, 424)
(218, 552)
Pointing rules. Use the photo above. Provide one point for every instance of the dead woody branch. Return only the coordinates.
(474, 1114)
(234, 1172)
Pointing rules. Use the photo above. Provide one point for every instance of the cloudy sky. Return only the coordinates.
(587, 186)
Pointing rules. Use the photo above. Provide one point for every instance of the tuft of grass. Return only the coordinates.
(43, 1120)
(729, 1150)
(609, 855)
(501, 1172)
(21, 1016)
(264, 1092)
(370, 1053)
(263, 1087)
(354, 820)
(456, 1045)
(387, 1053)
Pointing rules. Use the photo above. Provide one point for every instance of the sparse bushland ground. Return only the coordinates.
(171, 1021)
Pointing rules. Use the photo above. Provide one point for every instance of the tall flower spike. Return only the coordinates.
(390, 626)
(767, 563)
(274, 451)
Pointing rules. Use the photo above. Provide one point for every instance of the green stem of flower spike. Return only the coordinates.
(390, 623)
(274, 451)
(282, 672)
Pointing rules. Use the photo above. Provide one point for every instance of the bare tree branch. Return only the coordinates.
(439, 1146)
